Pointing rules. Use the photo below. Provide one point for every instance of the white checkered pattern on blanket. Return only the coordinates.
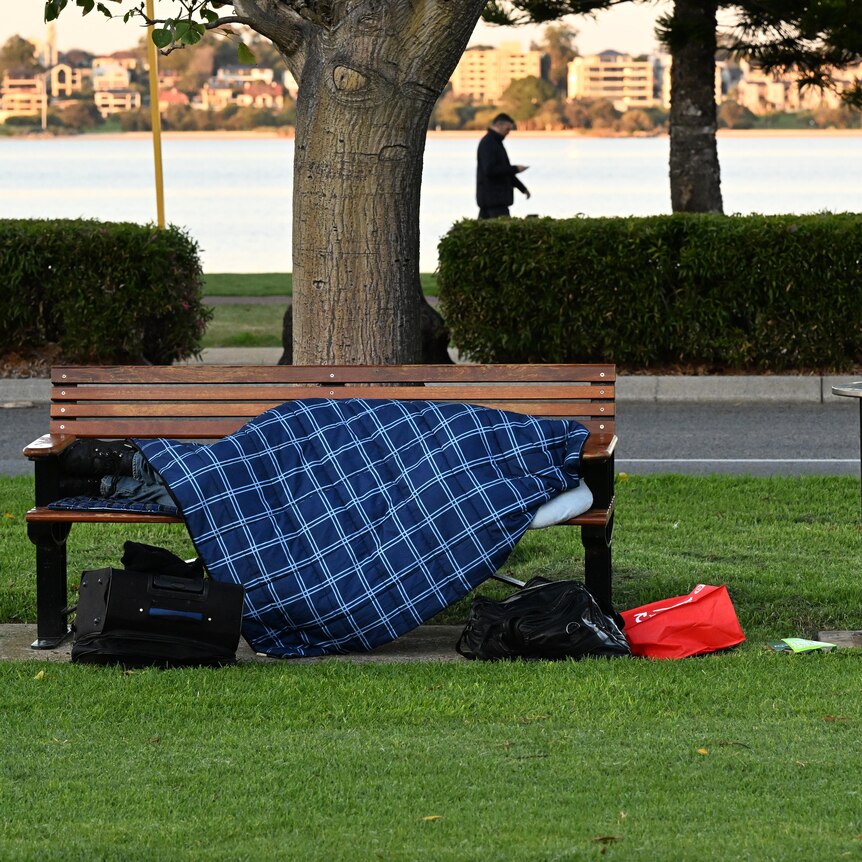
(350, 522)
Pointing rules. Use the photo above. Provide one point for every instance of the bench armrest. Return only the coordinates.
(47, 445)
(599, 447)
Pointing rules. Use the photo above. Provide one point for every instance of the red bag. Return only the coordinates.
(701, 622)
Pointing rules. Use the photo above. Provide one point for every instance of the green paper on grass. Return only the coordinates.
(800, 645)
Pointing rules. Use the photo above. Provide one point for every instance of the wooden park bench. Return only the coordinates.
(205, 402)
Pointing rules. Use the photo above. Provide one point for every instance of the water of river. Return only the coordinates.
(234, 194)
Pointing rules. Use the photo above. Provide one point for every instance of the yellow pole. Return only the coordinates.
(155, 118)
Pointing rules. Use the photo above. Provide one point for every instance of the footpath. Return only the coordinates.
(776, 388)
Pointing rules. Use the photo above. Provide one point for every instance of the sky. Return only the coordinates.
(627, 28)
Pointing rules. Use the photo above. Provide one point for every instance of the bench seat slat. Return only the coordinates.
(594, 517)
(600, 445)
(41, 514)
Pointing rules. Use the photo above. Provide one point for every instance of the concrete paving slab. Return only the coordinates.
(637, 387)
(426, 643)
(778, 388)
(36, 390)
(843, 638)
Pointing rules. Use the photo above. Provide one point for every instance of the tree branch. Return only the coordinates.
(277, 20)
(518, 12)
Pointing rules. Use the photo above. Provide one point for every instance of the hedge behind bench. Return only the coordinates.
(775, 293)
(101, 292)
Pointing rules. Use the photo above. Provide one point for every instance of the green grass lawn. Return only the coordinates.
(746, 755)
(248, 284)
(244, 325)
(249, 325)
(274, 284)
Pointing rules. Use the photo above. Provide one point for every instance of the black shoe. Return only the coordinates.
(76, 486)
(97, 458)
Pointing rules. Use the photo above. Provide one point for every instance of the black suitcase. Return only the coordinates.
(142, 619)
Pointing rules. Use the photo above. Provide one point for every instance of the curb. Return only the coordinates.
(778, 389)
(661, 389)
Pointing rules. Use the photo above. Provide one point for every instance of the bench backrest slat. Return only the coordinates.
(243, 374)
(208, 401)
(217, 393)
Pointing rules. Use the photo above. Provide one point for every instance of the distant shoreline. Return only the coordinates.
(442, 134)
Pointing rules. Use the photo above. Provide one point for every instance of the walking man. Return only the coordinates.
(495, 177)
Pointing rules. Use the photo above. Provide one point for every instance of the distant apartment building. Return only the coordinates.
(484, 74)
(172, 97)
(22, 94)
(168, 79)
(259, 94)
(215, 95)
(110, 76)
(766, 92)
(67, 80)
(127, 59)
(112, 92)
(116, 101)
(242, 91)
(620, 79)
(245, 74)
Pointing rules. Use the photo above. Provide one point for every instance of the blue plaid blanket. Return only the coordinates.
(350, 522)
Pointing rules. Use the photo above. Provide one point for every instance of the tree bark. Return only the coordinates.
(695, 177)
(366, 90)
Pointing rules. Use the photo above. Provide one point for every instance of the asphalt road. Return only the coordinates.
(693, 437)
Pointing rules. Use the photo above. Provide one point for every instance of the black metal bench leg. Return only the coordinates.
(597, 562)
(51, 587)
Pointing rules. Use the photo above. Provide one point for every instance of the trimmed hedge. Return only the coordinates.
(102, 292)
(766, 293)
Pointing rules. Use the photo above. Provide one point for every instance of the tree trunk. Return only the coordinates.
(357, 177)
(366, 93)
(695, 180)
(369, 75)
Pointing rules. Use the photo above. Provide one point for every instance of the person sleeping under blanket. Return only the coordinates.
(115, 470)
(347, 521)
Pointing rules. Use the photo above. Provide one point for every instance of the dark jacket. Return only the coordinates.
(495, 176)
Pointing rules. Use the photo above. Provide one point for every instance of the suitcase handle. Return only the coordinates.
(175, 583)
(177, 614)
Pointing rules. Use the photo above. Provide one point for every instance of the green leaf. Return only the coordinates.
(188, 33)
(104, 10)
(244, 54)
(209, 15)
(53, 9)
(162, 38)
(86, 5)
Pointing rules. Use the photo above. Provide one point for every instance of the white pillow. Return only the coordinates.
(567, 505)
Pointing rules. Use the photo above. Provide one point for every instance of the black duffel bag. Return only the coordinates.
(169, 615)
(543, 620)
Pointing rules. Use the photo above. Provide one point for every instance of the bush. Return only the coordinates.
(766, 293)
(104, 293)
